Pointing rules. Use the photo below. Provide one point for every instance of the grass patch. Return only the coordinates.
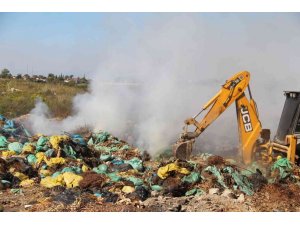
(17, 97)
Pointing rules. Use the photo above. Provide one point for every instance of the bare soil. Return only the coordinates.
(271, 198)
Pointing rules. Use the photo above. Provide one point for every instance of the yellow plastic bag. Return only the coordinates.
(163, 172)
(7, 153)
(40, 157)
(50, 182)
(71, 179)
(21, 176)
(26, 183)
(84, 168)
(56, 140)
(28, 148)
(128, 189)
(128, 173)
(45, 173)
(54, 161)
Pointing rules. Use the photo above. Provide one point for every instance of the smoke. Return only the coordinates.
(154, 75)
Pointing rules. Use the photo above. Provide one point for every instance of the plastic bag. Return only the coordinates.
(135, 180)
(101, 137)
(55, 161)
(55, 141)
(241, 181)
(28, 148)
(73, 169)
(71, 180)
(3, 143)
(27, 183)
(128, 189)
(16, 147)
(163, 172)
(195, 191)
(7, 154)
(31, 159)
(217, 174)
(136, 163)
(106, 157)
(41, 144)
(78, 139)
(284, 166)
(102, 169)
(50, 182)
(193, 178)
(69, 151)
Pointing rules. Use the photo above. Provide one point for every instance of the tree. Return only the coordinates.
(19, 76)
(5, 73)
(51, 75)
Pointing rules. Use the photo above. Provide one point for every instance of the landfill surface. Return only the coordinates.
(95, 171)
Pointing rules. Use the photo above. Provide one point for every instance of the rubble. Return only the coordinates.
(214, 191)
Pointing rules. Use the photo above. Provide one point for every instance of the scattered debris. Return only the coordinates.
(214, 191)
(76, 170)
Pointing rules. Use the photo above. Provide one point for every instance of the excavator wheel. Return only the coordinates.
(182, 150)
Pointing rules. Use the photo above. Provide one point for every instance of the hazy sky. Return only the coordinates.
(68, 43)
(73, 43)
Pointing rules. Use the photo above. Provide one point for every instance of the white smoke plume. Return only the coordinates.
(153, 76)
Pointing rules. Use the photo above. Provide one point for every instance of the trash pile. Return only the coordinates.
(101, 164)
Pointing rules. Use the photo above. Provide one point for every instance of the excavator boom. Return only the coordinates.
(247, 116)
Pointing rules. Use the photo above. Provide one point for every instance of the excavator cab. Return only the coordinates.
(289, 123)
(288, 132)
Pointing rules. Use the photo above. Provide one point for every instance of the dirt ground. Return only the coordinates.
(271, 198)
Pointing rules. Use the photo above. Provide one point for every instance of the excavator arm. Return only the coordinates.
(248, 122)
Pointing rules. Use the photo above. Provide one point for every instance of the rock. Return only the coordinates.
(228, 194)
(213, 191)
(154, 193)
(27, 206)
(241, 198)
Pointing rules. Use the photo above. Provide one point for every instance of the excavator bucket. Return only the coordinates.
(183, 149)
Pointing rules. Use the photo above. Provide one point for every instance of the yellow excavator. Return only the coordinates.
(255, 142)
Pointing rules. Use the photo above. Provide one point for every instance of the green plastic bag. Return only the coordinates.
(106, 157)
(156, 187)
(101, 169)
(192, 178)
(284, 166)
(72, 169)
(114, 177)
(241, 181)
(90, 142)
(125, 147)
(136, 181)
(56, 174)
(195, 191)
(49, 152)
(69, 151)
(101, 137)
(42, 141)
(31, 159)
(217, 174)
(41, 144)
(16, 147)
(3, 143)
(136, 163)
(106, 149)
